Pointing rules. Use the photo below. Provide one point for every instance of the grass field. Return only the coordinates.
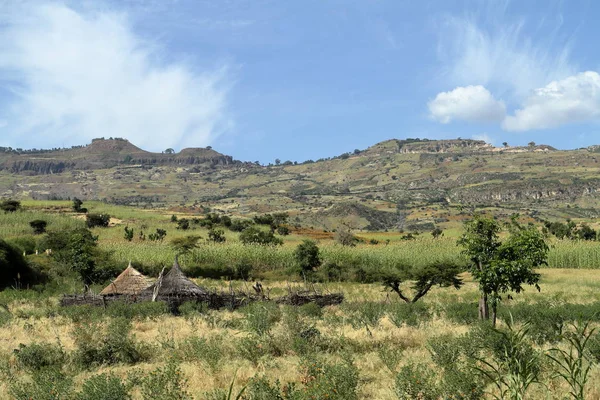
(373, 346)
(211, 347)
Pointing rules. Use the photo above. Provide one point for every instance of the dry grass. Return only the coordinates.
(376, 381)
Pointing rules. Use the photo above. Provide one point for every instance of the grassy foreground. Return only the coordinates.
(380, 335)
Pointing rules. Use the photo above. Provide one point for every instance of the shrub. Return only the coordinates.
(100, 220)
(25, 244)
(14, 270)
(183, 224)
(416, 382)
(164, 383)
(47, 384)
(112, 345)
(216, 236)
(209, 351)
(104, 387)
(261, 317)
(38, 226)
(333, 381)
(10, 205)
(307, 256)
(411, 314)
(37, 356)
(254, 235)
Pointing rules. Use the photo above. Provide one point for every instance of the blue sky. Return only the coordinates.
(266, 79)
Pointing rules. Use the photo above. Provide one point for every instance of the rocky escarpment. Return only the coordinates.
(103, 154)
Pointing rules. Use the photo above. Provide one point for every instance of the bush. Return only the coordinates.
(37, 356)
(47, 384)
(332, 381)
(216, 235)
(307, 256)
(416, 382)
(261, 317)
(164, 383)
(104, 387)
(25, 244)
(38, 226)
(183, 224)
(10, 206)
(209, 351)
(254, 235)
(96, 346)
(100, 220)
(14, 270)
(411, 314)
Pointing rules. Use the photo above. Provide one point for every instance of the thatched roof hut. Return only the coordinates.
(129, 282)
(175, 284)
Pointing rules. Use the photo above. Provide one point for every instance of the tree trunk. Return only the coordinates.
(494, 313)
(484, 311)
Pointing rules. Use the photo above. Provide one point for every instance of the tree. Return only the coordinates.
(184, 245)
(169, 151)
(101, 220)
(438, 273)
(277, 161)
(502, 267)
(344, 236)
(255, 235)
(10, 206)
(39, 226)
(505, 144)
(531, 144)
(307, 256)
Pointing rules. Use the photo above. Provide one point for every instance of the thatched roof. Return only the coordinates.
(175, 283)
(129, 282)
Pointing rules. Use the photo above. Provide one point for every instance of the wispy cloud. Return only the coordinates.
(498, 51)
(470, 103)
(76, 75)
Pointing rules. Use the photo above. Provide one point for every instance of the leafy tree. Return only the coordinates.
(128, 235)
(255, 235)
(531, 144)
(101, 220)
(10, 205)
(277, 161)
(439, 273)
(169, 151)
(307, 256)
(502, 267)
(505, 144)
(184, 245)
(216, 235)
(39, 226)
(585, 232)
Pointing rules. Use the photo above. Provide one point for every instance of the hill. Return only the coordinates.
(396, 184)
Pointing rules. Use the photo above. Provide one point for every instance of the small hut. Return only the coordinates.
(130, 282)
(174, 284)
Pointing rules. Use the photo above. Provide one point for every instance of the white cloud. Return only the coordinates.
(495, 51)
(471, 103)
(76, 75)
(571, 100)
